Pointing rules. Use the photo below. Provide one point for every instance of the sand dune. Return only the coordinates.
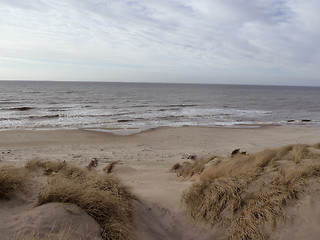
(303, 220)
(144, 165)
(64, 221)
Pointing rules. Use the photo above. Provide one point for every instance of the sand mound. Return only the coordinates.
(250, 195)
(125, 169)
(50, 221)
(99, 195)
(11, 179)
(302, 220)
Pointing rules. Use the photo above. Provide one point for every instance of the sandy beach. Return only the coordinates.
(144, 165)
(159, 120)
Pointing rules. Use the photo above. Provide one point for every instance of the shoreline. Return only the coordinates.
(118, 131)
(110, 131)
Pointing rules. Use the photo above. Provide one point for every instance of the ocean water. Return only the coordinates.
(130, 107)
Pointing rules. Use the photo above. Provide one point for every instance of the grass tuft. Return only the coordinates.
(216, 196)
(248, 193)
(93, 164)
(175, 167)
(11, 179)
(109, 168)
(102, 196)
(317, 145)
(54, 167)
(195, 167)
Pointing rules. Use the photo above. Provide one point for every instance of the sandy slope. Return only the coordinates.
(303, 220)
(20, 217)
(145, 160)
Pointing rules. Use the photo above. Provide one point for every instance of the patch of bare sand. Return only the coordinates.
(20, 219)
(49, 221)
(303, 220)
(156, 222)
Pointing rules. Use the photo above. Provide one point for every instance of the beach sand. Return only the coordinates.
(144, 165)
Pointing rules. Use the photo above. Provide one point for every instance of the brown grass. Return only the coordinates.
(246, 167)
(103, 197)
(109, 168)
(93, 164)
(248, 194)
(196, 167)
(175, 167)
(54, 167)
(317, 145)
(11, 179)
(216, 197)
(300, 152)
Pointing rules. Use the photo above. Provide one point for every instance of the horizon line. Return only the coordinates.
(138, 82)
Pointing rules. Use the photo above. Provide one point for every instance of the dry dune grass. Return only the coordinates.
(11, 179)
(175, 167)
(53, 167)
(103, 197)
(109, 168)
(317, 145)
(189, 169)
(248, 193)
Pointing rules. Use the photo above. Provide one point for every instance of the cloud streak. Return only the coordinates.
(230, 41)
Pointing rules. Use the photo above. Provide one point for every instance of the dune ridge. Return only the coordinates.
(248, 194)
(100, 195)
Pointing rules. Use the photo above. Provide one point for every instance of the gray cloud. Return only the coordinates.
(27, 5)
(202, 39)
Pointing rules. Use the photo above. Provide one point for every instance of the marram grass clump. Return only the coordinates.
(102, 196)
(247, 194)
(11, 180)
(188, 169)
(54, 167)
(110, 167)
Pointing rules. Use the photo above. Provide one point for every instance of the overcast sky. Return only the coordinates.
(200, 41)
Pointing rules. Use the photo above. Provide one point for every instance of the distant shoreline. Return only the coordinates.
(132, 131)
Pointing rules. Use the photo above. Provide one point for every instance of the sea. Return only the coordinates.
(125, 108)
